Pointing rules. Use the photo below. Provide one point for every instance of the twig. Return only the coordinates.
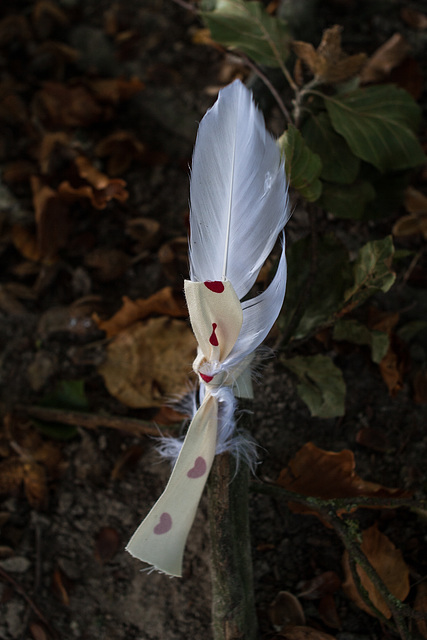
(19, 589)
(90, 420)
(248, 62)
(233, 604)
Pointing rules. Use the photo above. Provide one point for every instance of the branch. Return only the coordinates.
(91, 420)
(327, 509)
(233, 604)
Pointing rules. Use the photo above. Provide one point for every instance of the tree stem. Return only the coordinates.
(233, 604)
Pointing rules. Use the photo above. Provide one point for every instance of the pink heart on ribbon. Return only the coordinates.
(199, 468)
(165, 524)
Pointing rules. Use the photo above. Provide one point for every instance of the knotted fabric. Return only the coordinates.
(216, 317)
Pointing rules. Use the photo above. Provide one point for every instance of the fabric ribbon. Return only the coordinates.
(216, 317)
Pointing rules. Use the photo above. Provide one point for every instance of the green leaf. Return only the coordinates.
(56, 430)
(321, 386)
(371, 271)
(347, 201)
(410, 330)
(358, 333)
(303, 167)
(330, 280)
(339, 164)
(389, 191)
(378, 124)
(68, 394)
(247, 27)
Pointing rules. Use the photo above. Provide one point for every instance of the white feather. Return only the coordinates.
(238, 192)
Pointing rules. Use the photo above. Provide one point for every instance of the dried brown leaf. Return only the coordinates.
(393, 365)
(173, 256)
(322, 585)
(60, 105)
(390, 566)
(285, 611)
(109, 264)
(149, 362)
(385, 59)
(146, 231)
(121, 148)
(415, 201)
(168, 415)
(11, 474)
(373, 438)
(18, 171)
(107, 543)
(35, 484)
(90, 173)
(51, 215)
(329, 63)
(9, 304)
(38, 632)
(54, 149)
(327, 474)
(99, 198)
(328, 612)
(113, 90)
(414, 18)
(411, 225)
(127, 461)
(164, 302)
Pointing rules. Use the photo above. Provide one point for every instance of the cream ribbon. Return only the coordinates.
(216, 318)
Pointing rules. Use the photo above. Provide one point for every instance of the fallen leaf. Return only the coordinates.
(26, 243)
(322, 585)
(173, 256)
(328, 474)
(149, 362)
(99, 198)
(53, 151)
(329, 63)
(127, 461)
(14, 28)
(51, 215)
(121, 148)
(112, 90)
(164, 302)
(146, 231)
(411, 225)
(390, 566)
(108, 264)
(285, 610)
(420, 605)
(373, 438)
(18, 171)
(46, 17)
(328, 612)
(11, 475)
(9, 304)
(393, 365)
(90, 173)
(414, 18)
(415, 201)
(60, 105)
(38, 632)
(385, 59)
(35, 484)
(107, 543)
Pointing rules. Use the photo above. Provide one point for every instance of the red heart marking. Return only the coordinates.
(199, 468)
(165, 524)
(214, 285)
